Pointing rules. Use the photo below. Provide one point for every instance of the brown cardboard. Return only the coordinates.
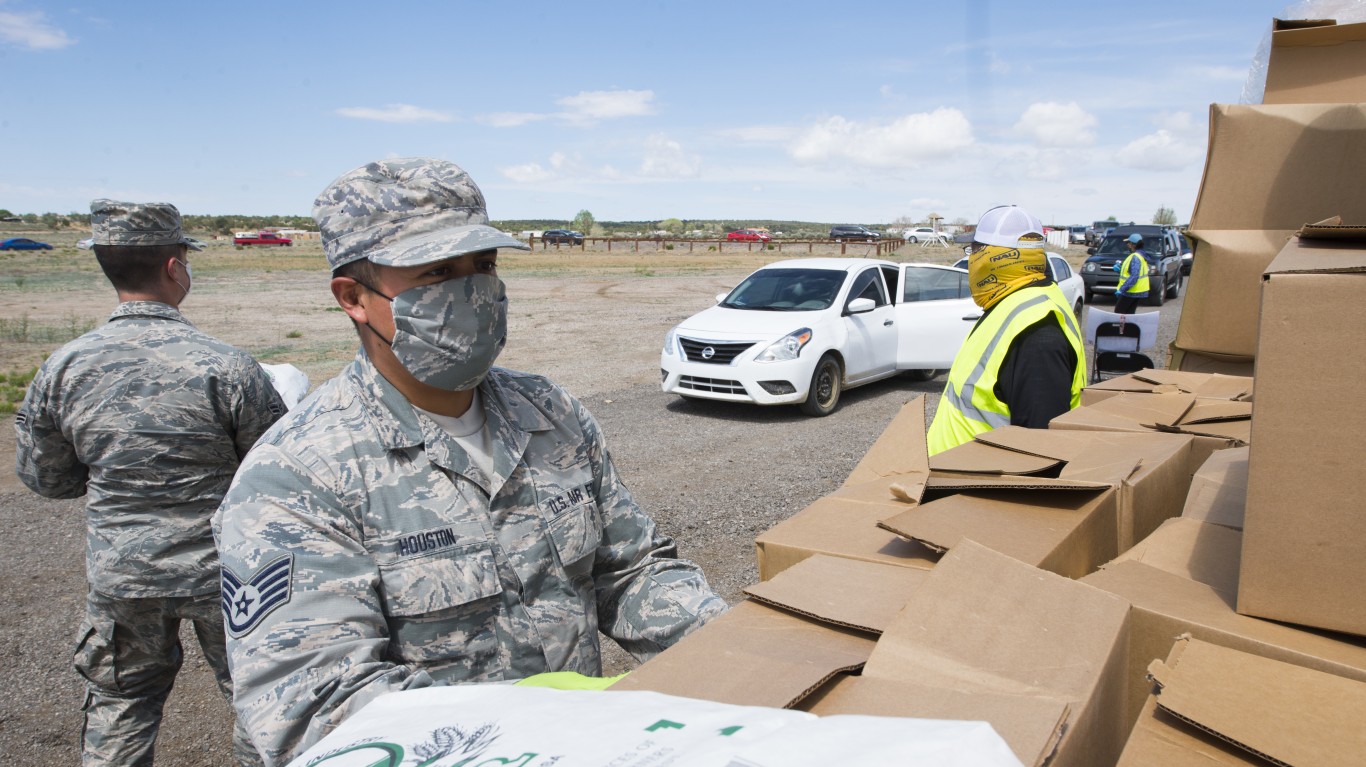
(838, 527)
(1304, 546)
(843, 592)
(899, 454)
(1211, 386)
(1198, 362)
(1319, 63)
(1271, 712)
(1215, 424)
(1270, 169)
(988, 637)
(1065, 521)
(1183, 580)
(1218, 491)
(812, 621)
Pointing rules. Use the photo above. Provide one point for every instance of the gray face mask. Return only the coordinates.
(448, 334)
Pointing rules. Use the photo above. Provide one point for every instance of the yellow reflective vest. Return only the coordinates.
(1140, 286)
(969, 405)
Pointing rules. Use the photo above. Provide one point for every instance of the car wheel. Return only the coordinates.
(826, 383)
(1157, 294)
(1077, 311)
(913, 240)
(1175, 292)
(920, 375)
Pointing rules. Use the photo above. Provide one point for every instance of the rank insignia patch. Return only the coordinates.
(247, 600)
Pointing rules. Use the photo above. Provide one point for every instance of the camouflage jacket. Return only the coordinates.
(148, 418)
(363, 552)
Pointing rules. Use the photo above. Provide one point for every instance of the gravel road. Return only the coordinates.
(713, 475)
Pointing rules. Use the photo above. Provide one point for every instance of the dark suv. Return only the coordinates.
(854, 233)
(562, 236)
(1161, 243)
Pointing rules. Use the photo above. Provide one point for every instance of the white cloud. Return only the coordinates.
(665, 158)
(928, 203)
(510, 119)
(1051, 124)
(1160, 151)
(527, 173)
(31, 30)
(1223, 74)
(591, 106)
(906, 142)
(1178, 122)
(760, 134)
(396, 113)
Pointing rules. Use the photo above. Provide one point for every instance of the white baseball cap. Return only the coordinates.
(1009, 226)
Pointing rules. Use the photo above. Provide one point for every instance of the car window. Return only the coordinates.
(786, 290)
(1061, 269)
(868, 285)
(933, 285)
(891, 275)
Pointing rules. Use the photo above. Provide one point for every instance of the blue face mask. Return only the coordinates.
(448, 334)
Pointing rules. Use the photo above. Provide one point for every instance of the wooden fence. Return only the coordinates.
(880, 247)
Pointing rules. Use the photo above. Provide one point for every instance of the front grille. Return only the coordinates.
(721, 353)
(719, 385)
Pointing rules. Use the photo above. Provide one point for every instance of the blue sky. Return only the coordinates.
(858, 111)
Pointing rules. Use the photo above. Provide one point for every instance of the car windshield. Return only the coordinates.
(1115, 247)
(787, 290)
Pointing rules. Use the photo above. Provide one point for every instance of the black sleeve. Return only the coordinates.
(1035, 379)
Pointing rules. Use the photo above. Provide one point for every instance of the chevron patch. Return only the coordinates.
(247, 600)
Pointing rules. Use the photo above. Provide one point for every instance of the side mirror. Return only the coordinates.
(1091, 251)
(860, 305)
(721, 297)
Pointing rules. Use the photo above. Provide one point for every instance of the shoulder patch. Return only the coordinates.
(247, 600)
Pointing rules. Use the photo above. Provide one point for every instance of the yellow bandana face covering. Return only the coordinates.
(995, 272)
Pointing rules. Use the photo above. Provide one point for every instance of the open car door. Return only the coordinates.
(934, 314)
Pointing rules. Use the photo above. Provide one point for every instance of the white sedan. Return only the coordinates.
(925, 234)
(1069, 281)
(801, 331)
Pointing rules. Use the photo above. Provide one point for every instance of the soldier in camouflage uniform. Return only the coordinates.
(148, 418)
(426, 518)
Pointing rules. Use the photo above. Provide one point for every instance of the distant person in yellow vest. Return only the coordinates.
(1133, 276)
(1023, 363)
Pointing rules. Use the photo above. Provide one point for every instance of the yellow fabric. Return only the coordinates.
(995, 272)
(969, 406)
(569, 680)
(1140, 285)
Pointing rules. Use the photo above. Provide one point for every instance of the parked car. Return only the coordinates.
(802, 331)
(749, 235)
(1161, 243)
(1076, 235)
(562, 237)
(1069, 281)
(260, 238)
(23, 243)
(854, 233)
(924, 234)
(1187, 254)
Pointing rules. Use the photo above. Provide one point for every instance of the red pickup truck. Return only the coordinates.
(260, 238)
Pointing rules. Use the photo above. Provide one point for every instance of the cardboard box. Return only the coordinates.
(1270, 169)
(1215, 424)
(1304, 546)
(1065, 501)
(1183, 580)
(1216, 706)
(1218, 493)
(1208, 385)
(891, 475)
(817, 618)
(987, 637)
(1221, 364)
(1316, 62)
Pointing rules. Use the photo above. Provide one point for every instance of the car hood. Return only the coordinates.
(721, 324)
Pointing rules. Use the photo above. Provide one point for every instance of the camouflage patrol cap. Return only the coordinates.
(137, 223)
(405, 212)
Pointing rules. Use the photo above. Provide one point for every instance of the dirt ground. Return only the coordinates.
(713, 475)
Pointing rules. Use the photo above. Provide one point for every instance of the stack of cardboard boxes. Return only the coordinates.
(1171, 575)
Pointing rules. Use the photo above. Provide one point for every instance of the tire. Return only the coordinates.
(920, 375)
(827, 381)
(1175, 291)
(1157, 294)
(913, 240)
(1076, 311)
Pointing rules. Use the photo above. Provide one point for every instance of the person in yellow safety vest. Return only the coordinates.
(1133, 276)
(1023, 363)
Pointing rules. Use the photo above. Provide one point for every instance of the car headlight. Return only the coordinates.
(670, 341)
(1088, 267)
(785, 348)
